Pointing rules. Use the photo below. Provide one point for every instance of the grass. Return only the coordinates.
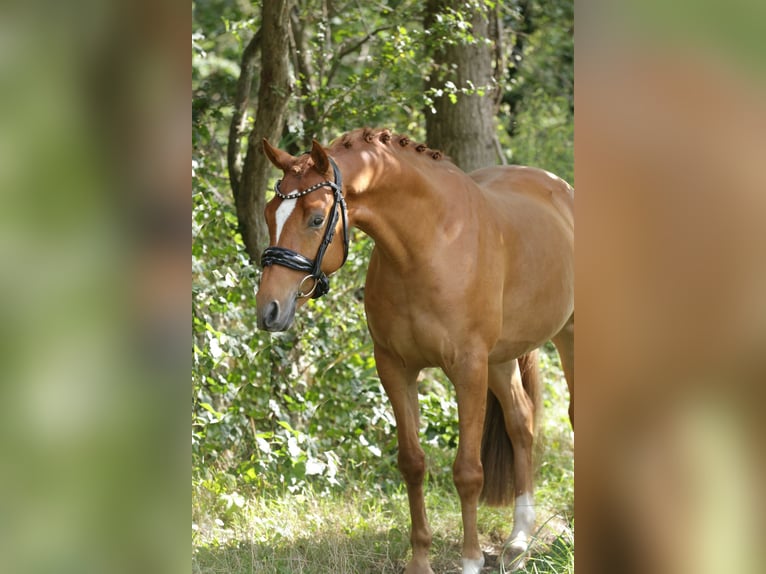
(302, 534)
(360, 534)
(366, 530)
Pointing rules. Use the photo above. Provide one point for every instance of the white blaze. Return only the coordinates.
(284, 211)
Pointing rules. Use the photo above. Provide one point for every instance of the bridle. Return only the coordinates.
(294, 260)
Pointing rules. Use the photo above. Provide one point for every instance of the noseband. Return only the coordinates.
(294, 260)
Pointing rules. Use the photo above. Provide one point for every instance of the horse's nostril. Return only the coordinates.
(271, 314)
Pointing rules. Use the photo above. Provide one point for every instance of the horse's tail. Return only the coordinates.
(529, 365)
(496, 446)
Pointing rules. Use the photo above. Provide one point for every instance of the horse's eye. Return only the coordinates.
(316, 221)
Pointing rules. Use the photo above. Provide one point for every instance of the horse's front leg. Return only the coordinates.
(401, 387)
(470, 380)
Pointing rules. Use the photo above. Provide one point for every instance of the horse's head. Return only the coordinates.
(306, 214)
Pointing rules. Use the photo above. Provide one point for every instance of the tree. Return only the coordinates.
(248, 180)
(461, 118)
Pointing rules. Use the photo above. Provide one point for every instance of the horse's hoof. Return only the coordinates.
(515, 554)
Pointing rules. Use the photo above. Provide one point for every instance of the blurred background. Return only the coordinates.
(670, 286)
(94, 246)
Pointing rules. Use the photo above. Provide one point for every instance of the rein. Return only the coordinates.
(294, 260)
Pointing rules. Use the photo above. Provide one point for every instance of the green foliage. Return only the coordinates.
(545, 136)
(365, 65)
(537, 109)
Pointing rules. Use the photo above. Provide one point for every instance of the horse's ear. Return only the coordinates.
(319, 155)
(279, 158)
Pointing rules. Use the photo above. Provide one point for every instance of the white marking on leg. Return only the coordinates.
(284, 211)
(472, 565)
(523, 523)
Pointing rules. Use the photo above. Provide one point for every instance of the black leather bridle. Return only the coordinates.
(294, 260)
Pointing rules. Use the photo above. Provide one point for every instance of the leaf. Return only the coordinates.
(374, 450)
(315, 466)
(285, 425)
(263, 445)
(293, 448)
(211, 410)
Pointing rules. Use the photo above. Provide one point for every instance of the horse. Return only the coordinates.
(471, 273)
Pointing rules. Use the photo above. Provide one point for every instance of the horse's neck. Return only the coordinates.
(404, 206)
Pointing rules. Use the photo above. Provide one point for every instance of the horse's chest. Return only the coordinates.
(416, 335)
(407, 319)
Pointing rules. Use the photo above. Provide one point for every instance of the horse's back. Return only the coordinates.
(506, 186)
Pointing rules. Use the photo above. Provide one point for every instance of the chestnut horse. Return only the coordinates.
(470, 273)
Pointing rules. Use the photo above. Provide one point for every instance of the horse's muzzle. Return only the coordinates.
(274, 317)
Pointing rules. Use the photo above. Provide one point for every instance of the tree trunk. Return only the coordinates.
(464, 130)
(273, 95)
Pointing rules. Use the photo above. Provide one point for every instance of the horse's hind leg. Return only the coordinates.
(518, 404)
(401, 387)
(564, 341)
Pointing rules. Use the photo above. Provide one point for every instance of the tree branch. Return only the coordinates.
(499, 74)
(239, 117)
(499, 150)
(305, 72)
(350, 49)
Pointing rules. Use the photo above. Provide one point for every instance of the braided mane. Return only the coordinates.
(362, 136)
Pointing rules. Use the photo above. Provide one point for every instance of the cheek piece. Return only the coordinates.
(320, 284)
